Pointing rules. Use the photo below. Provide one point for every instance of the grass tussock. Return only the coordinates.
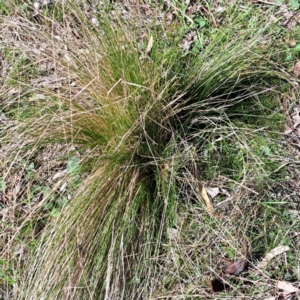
(138, 117)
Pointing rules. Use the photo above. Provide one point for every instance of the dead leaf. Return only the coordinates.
(59, 175)
(202, 192)
(275, 252)
(219, 284)
(205, 198)
(297, 69)
(286, 287)
(150, 45)
(213, 192)
(237, 267)
(285, 291)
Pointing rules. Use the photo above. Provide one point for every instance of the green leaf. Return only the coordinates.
(45, 190)
(289, 58)
(200, 43)
(184, 29)
(297, 49)
(63, 201)
(200, 22)
(266, 150)
(4, 9)
(49, 205)
(29, 167)
(184, 7)
(73, 166)
(54, 212)
(288, 276)
(2, 185)
(294, 4)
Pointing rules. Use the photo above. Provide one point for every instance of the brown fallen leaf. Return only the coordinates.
(202, 192)
(219, 283)
(236, 268)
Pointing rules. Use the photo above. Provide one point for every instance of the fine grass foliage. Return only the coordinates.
(131, 116)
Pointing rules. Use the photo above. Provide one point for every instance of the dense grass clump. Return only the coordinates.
(140, 118)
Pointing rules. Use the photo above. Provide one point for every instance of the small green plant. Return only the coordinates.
(6, 276)
(4, 9)
(22, 68)
(294, 4)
